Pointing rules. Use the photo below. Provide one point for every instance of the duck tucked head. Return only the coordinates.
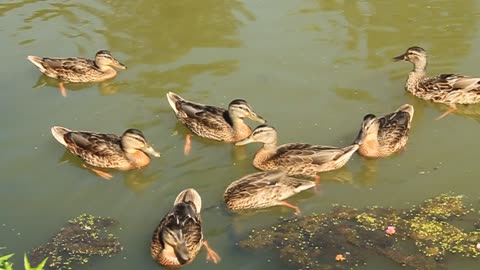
(173, 236)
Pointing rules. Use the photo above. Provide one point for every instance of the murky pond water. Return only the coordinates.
(312, 68)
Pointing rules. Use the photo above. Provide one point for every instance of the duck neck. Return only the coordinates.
(264, 153)
(137, 157)
(105, 68)
(240, 128)
(270, 147)
(417, 74)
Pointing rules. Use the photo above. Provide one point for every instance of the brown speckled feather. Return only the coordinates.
(305, 159)
(393, 129)
(450, 88)
(100, 150)
(384, 136)
(206, 121)
(73, 69)
(213, 122)
(263, 189)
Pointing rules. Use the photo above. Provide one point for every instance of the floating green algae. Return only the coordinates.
(424, 236)
(83, 237)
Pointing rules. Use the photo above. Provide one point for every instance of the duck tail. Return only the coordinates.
(173, 99)
(59, 133)
(304, 185)
(37, 61)
(348, 151)
(352, 148)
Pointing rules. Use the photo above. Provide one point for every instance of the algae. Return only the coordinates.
(424, 236)
(83, 237)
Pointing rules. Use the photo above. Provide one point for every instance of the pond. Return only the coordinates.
(312, 68)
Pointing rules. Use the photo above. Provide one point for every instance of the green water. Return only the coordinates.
(313, 69)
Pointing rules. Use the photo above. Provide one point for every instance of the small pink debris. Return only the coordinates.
(478, 246)
(390, 230)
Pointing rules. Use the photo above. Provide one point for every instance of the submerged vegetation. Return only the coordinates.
(81, 238)
(421, 237)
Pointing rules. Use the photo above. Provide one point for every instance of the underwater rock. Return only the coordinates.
(345, 237)
(81, 238)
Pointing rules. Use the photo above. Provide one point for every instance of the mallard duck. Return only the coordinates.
(383, 136)
(264, 189)
(78, 69)
(178, 238)
(213, 122)
(297, 158)
(125, 152)
(449, 89)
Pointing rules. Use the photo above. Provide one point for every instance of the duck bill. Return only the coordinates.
(149, 150)
(245, 141)
(360, 137)
(400, 58)
(257, 118)
(119, 65)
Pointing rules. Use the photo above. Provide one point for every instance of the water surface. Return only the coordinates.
(312, 68)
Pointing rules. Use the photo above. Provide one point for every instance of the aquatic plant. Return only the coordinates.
(83, 237)
(342, 238)
(5, 264)
(27, 265)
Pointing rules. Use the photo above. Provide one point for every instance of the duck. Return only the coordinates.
(125, 152)
(298, 159)
(449, 89)
(78, 69)
(383, 136)
(178, 238)
(211, 122)
(264, 189)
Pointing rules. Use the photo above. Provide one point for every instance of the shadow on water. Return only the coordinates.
(105, 88)
(137, 180)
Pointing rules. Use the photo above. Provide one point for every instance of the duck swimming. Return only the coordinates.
(386, 135)
(78, 69)
(179, 237)
(296, 158)
(125, 152)
(213, 122)
(450, 89)
(264, 189)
